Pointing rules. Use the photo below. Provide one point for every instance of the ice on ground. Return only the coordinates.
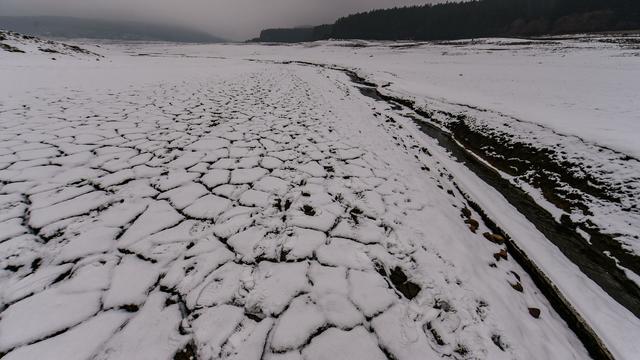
(33, 283)
(91, 241)
(215, 177)
(152, 334)
(222, 286)
(74, 207)
(340, 311)
(297, 324)
(213, 326)
(246, 176)
(159, 215)
(343, 252)
(185, 195)
(45, 314)
(245, 242)
(79, 343)
(302, 243)
(207, 207)
(370, 292)
(401, 335)
(275, 285)
(253, 347)
(132, 279)
(335, 344)
(164, 206)
(329, 279)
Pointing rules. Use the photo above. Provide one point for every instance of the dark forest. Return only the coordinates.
(483, 18)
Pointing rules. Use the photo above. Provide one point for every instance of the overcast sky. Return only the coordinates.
(232, 19)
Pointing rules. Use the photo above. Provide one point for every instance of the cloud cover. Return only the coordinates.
(232, 19)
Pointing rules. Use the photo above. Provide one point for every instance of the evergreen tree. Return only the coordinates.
(479, 18)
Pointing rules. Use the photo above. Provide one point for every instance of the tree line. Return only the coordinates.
(480, 18)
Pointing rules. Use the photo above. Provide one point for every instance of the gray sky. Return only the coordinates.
(232, 19)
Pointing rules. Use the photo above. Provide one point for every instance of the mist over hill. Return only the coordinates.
(70, 27)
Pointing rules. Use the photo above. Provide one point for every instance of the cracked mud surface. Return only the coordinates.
(269, 213)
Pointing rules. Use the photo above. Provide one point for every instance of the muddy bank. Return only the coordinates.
(461, 142)
(542, 169)
(465, 144)
(591, 259)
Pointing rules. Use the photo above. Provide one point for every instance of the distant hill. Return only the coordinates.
(300, 34)
(16, 43)
(480, 18)
(70, 28)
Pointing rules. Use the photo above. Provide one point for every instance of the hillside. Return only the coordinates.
(300, 34)
(482, 18)
(69, 27)
(12, 42)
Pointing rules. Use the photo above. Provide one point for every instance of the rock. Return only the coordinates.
(535, 312)
(517, 287)
(494, 238)
(473, 225)
(502, 254)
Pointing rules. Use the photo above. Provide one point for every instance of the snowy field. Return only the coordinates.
(168, 201)
(577, 97)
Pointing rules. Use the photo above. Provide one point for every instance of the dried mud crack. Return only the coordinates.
(598, 258)
(254, 213)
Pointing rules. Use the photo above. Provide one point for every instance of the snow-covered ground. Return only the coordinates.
(195, 201)
(577, 97)
(13, 42)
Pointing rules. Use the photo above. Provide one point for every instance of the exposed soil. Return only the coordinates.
(588, 257)
(591, 259)
(10, 48)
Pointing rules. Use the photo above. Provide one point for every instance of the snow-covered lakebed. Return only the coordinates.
(163, 201)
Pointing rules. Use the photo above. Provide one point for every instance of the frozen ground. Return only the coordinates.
(192, 203)
(571, 101)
